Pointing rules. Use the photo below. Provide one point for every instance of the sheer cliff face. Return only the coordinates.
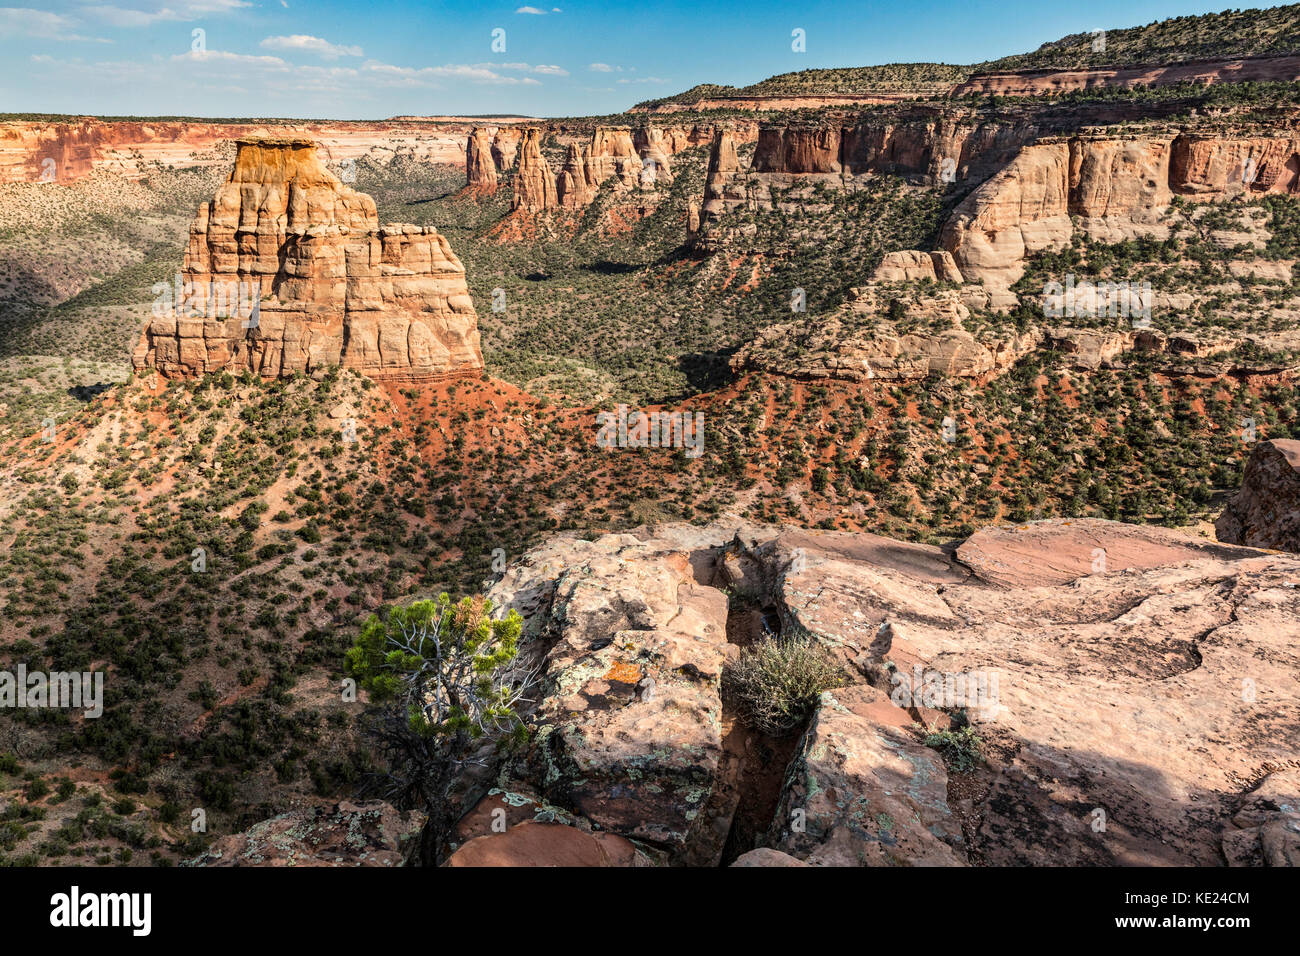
(930, 147)
(534, 181)
(480, 168)
(1036, 188)
(1115, 188)
(332, 286)
(1038, 82)
(576, 185)
(1214, 165)
(505, 147)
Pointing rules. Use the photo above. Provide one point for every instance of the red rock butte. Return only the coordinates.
(334, 286)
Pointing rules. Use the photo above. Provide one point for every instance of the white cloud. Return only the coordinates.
(604, 68)
(200, 73)
(426, 75)
(142, 17)
(540, 69)
(23, 21)
(645, 79)
(532, 11)
(310, 44)
(222, 56)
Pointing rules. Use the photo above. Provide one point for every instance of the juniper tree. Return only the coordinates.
(446, 682)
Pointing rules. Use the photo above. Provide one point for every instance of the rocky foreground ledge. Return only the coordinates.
(1147, 705)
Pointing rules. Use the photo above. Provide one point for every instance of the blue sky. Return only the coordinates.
(300, 58)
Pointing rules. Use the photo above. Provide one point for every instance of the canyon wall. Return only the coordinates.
(759, 104)
(929, 144)
(927, 147)
(1118, 188)
(633, 159)
(329, 285)
(1010, 83)
(1039, 82)
(1037, 185)
(66, 151)
(670, 140)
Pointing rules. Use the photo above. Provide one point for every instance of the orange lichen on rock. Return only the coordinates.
(623, 672)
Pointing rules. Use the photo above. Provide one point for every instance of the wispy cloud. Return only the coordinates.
(604, 68)
(23, 21)
(149, 14)
(301, 42)
(427, 75)
(540, 69)
(223, 56)
(217, 69)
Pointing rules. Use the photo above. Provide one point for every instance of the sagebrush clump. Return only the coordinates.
(778, 681)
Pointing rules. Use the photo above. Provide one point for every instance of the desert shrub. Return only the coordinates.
(960, 749)
(447, 684)
(777, 682)
(36, 788)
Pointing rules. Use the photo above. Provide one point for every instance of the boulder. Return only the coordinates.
(1266, 830)
(629, 717)
(546, 844)
(1265, 513)
(345, 834)
(766, 856)
(862, 793)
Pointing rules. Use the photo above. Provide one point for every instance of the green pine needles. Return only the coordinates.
(445, 682)
(450, 666)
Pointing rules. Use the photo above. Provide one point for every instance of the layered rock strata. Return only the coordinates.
(1116, 189)
(480, 168)
(534, 182)
(1039, 82)
(288, 270)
